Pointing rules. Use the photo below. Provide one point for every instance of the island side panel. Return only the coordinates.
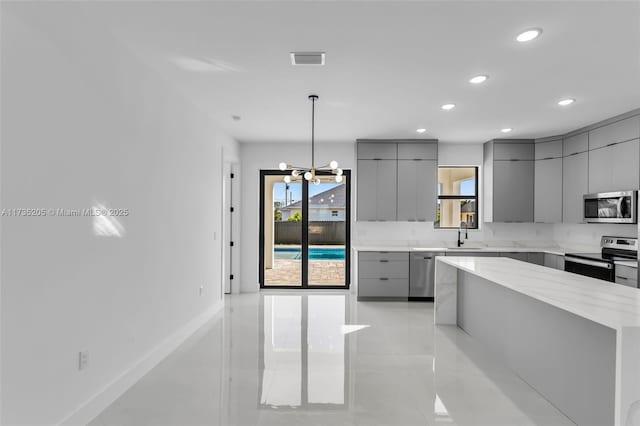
(445, 297)
(628, 377)
(568, 359)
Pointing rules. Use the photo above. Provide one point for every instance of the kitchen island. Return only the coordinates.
(575, 339)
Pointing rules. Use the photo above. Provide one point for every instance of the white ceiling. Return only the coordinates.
(389, 65)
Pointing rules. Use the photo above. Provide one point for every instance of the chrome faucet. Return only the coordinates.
(466, 233)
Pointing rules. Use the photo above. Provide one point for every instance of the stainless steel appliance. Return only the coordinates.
(611, 207)
(602, 265)
(422, 269)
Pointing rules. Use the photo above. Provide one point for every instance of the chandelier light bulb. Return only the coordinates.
(308, 175)
(287, 179)
(339, 178)
(339, 172)
(295, 173)
(317, 181)
(333, 164)
(282, 166)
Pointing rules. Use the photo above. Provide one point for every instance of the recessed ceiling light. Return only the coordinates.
(447, 107)
(529, 35)
(421, 130)
(565, 102)
(478, 79)
(506, 130)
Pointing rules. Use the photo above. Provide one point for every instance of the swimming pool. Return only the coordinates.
(315, 253)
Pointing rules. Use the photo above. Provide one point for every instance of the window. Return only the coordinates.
(457, 197)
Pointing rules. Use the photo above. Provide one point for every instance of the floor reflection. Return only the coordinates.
(297, 358)
(303, 361)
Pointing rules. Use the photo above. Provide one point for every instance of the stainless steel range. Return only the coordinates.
(602, 265)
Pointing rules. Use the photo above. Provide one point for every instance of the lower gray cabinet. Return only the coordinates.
(536, 258)
(554, 261)
(417, 190)
(513, 191)
(383, 275)
(523, 256)
(627, 275)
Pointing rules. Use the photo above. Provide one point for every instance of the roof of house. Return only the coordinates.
(332, 198)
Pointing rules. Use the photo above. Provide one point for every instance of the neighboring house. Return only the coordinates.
(468, 213)
(326, 206)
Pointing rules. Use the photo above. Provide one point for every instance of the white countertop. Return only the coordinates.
(609, 304)
(506, 249)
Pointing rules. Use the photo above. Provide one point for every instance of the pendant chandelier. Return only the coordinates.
(309, 173)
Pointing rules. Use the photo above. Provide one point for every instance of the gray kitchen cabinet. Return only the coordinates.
(383, 275)
(522, 256)
(554, 261)
(513, 191)
(511, 150)
(417, 184)
(536, 258)
(575, 183)
(575, 144)
(377, 184)
(377, 151)
(548, 190)
(509, 180)
(397, 180)
(626, 275)
(620, 131)
(418, 150)
(614, 167)
(548, 149)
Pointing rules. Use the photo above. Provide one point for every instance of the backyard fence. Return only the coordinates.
(320, 233)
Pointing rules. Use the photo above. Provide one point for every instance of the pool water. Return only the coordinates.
(315, 253)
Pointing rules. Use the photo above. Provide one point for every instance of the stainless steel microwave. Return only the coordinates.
(611, 207)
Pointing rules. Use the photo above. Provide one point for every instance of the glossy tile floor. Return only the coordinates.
(365, 363)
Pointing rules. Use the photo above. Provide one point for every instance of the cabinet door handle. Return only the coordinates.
(384, 279)
(428, 258)
(514, 159)
(384, 260)
(622, 278)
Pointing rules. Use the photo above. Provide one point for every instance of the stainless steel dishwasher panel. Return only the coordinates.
(422, 274)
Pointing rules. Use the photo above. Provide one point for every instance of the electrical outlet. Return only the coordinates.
(83, 360)
(201, 290)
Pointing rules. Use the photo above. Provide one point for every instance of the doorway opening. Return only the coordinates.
(304, 231)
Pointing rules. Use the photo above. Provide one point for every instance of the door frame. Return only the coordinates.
(305, 233)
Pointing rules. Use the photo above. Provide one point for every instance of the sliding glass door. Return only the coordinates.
(304, 232)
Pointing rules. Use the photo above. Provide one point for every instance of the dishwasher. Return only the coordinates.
(422, 268)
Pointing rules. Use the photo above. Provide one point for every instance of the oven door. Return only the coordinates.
(611, 207)
(590, 268)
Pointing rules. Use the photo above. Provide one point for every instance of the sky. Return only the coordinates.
(467, 187)
(295, 190)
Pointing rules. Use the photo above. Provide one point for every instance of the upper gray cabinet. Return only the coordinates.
(614, 152)
(396, 180)
(509, 180)
(619, 131)
(377, 151)
(548, 182)
(614, 167)
(575, 144)
(575, 176)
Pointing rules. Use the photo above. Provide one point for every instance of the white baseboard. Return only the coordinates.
(112, 391)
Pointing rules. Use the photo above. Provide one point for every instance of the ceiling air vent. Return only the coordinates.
(307, 58)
